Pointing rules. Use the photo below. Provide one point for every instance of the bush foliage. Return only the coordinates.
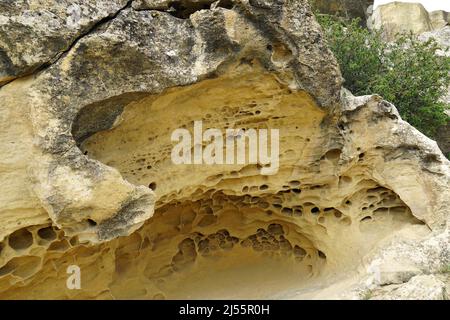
(406, 72)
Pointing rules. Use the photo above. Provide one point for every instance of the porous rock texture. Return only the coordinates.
(359, 205)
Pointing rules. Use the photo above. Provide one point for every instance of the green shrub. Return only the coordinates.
(406, 72)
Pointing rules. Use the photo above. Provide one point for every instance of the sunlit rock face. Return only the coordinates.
(403, 17)
(360, 199)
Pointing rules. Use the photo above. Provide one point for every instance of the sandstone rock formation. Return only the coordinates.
(35, 33)
(439, 19)
(404, 17)
(361, 198)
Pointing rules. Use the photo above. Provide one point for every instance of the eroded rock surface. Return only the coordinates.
(424, 287)
(35, 33)
(91, 182)
(404, 17)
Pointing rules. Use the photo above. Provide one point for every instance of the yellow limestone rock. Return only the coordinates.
(90, 185)
(402, 17)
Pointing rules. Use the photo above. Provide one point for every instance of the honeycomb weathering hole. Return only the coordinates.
(20, 239)
(226, 231)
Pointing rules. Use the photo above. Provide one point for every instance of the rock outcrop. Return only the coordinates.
(89, 180)
(399, 18)
(442, 37)
(35, 33)
(404, 17)
(439, 19)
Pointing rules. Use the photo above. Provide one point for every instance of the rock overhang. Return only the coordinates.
(348, 162)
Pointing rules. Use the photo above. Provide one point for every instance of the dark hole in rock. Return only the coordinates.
(47, 233)
(20, 239)
(91, 222)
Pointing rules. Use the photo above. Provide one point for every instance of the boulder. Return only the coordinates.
(439, 19)
(400, 17)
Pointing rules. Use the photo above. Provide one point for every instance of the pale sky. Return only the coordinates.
(430, 5)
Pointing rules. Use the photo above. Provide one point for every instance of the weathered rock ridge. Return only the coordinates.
(88, 178)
